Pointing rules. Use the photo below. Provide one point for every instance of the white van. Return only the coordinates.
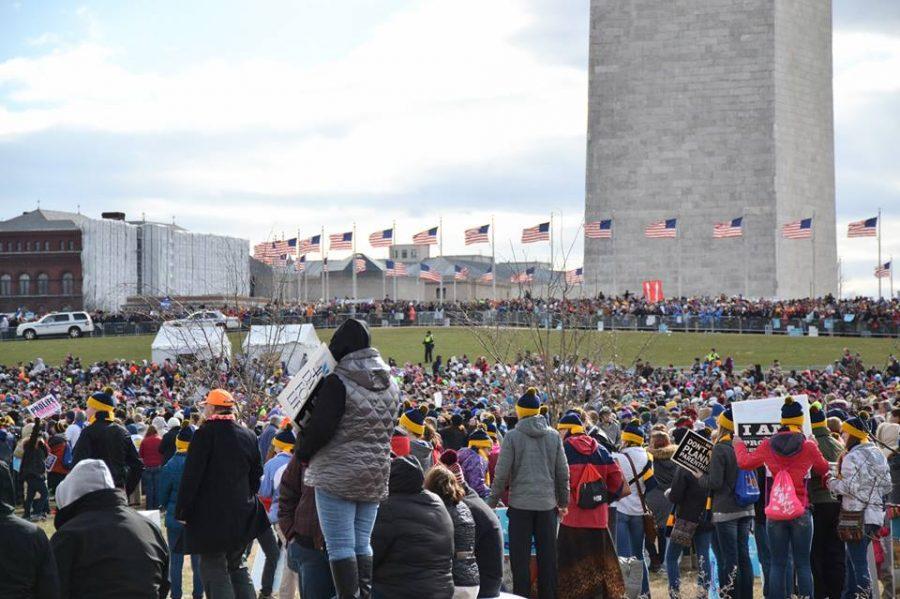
(73, 324)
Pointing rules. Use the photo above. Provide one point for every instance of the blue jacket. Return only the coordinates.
(169, 480)
(271, 480)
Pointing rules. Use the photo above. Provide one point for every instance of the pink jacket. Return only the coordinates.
(785, 451)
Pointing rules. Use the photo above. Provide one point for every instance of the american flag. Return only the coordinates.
(394, 269)
(662, 229)
(460, 273)
(427, 274)
(798, 229)
(539, 232)
(281, 260)
(292, 246)
(359, 265)
(527, 276)
(733, 228)
(575, 277)
(487, 277)
(260, 251)
(426, 237)
(598, 229)
(477, 235)
(382, 239)
(883, 271)
(300, 264)
(863, 228)
(273, 249)
(313, 244)
(341, 241)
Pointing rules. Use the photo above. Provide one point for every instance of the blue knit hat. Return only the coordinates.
(413, 420)
(632, 433)
(791, 413)
(528, 404)
(284, 440)
(571, 422)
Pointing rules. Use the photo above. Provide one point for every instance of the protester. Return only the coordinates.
(347, 444)
(789, 534)
(827, 555)
(588, 565)
(217, 500)
(444, 484)
(153, 461)
(474, 462)
(59, 449)
(33, 471)
(454, 435)
(27, 565)
(533, 466)
(412, 539)
(167, 443)
(273, 470)
(862, 482)
(488, 544)
(103, 548)
(731, 520)
(104, 439)
(662, 450)
(412, 428)
(266, 436)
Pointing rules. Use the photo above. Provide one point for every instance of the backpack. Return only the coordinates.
(783, 501)
(591, 492)
(746, 488)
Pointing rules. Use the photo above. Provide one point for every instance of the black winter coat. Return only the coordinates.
(465, 568)
(104, 548)
(453, 437)
(167, 445)
(217, 496)
(488, 545)
(27, 566)
(110, 442)
(412, 539)
(34, 459)
(689, 496)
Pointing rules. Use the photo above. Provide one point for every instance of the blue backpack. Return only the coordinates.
(746, 488)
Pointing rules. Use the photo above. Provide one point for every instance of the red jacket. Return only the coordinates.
(785, 451)
(582, 450)
(149, 451)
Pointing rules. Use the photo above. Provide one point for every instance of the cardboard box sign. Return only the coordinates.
(694, 454)
(294, 397)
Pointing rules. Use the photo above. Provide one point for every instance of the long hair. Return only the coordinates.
(443, 483)
(35, 433)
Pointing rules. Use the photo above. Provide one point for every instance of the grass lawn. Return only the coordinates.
(623, 347)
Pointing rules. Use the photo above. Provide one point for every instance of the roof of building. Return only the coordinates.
(42, 220)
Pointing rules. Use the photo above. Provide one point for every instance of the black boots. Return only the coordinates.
(364, 566)
(346, 577)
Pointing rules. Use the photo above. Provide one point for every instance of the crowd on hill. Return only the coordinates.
(391, 487)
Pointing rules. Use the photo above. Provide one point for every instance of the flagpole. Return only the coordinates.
(891, 271)
(550, 237)
(353, 265)
(393, 241)
(440, 255)
(615, 267)
(879, 257)
(324, 253)
(454, 284)
(812, 280)
(746, 261)
(678, 243)
(299, 276)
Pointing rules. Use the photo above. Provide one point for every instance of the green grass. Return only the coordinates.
(406, 345)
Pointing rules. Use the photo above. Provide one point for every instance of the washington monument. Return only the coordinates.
(706, 111)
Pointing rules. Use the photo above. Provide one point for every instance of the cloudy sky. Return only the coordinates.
(261, 118)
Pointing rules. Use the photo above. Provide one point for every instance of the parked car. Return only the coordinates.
(73, 324)
(213, 317)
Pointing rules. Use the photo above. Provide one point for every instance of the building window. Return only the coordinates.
(413, 254)
(62, 245)
(24, 284)
(71, 245)
(5, 285)
(27, 246)
(46, 246)
(43, 284)
(403, 254)
(68, 284)
(1, 246)
(18, 246)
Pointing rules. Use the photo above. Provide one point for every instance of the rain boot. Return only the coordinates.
(346, 578)
(364, 565)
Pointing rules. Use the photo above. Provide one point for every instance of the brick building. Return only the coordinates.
(40, 264)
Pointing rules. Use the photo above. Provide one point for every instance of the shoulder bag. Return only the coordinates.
(649, 521)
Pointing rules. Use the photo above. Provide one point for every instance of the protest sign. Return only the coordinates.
(45, 407)
(438, 399)
(693, 454)
(294, 396)
(758, 419)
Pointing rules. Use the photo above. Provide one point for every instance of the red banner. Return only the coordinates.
(653, 291)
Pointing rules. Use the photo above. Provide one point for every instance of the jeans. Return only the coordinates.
(150, 482)
(269, 545)
(790, 538)
(176, 563)
(225, 576)
(702, 542)
(857, 582)
(735, 569)
(36, 485)
(827, 557)
(346, 525)
(312, 566)
(630, 543)
(542, 526)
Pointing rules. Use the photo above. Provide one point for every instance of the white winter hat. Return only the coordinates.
(86, 477)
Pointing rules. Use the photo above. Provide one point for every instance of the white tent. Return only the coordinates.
(194, 341)
(288, 343)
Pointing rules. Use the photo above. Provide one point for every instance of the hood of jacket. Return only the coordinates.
(533, 426)
(366, 368)
(7, 491)
(662, 453)
(406, 476)
(583, 444)
(86, 477)
(351, 336)
(104, 499)
(787, 444)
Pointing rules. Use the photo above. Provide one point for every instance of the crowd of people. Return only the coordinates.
(395, 485)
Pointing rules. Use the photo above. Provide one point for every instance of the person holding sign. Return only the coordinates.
(789, 456)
